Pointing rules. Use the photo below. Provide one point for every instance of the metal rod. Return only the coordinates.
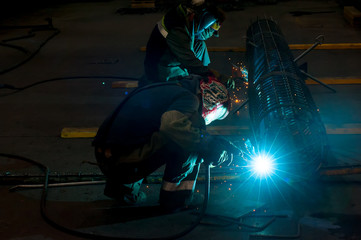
(316, 80)
(318, 42)
(239, 108)
(56, 185)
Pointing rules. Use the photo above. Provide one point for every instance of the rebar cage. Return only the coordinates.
(284, 118)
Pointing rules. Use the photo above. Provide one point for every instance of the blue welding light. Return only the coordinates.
(262, 165)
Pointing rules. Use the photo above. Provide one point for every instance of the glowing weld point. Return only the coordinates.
(103, 83)
(126, 93)
(262, 165)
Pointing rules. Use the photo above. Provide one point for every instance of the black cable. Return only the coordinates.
(73, 77)
(21, 49)
(8, 86)
(42, 26)
(34, 28)
(244, 227)
(74, 232)
(31, 55)
(29, 35)
(19, 89)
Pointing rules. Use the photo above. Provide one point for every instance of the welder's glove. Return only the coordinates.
(215, 150)
(225, 80)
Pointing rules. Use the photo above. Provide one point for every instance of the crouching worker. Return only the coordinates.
(162, 124)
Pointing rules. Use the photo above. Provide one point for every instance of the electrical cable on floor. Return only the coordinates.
(266, 236)
(74, 232)
(31, 33)
(21, 49)
(237, 221)
(49, 26)
(19, 89)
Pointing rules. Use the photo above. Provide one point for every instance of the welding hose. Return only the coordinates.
(44, 212)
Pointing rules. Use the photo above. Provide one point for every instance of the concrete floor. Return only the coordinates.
(94, 41)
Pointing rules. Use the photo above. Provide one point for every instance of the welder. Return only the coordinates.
(162, 124)
(176, 46)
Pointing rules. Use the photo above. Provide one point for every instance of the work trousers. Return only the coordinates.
(180, 174)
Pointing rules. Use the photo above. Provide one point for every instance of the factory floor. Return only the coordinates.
(74, 52)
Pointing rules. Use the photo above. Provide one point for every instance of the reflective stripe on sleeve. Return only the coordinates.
(162, 29)
(172, 187)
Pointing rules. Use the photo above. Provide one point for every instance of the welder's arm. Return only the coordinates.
(178, 127)
(190, 135)
(181, 44)
(216, 150)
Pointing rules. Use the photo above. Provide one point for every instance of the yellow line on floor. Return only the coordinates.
(72, 132)
(325, 46)
(334, 81)
(124, 84)
(348, 128)
(331, 81)
(328, 46)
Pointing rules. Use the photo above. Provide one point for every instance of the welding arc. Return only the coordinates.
(44, 212)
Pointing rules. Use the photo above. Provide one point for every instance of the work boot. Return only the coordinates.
(134, 199)
(125, 194)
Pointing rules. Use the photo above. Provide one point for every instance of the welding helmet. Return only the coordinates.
(209, 23)
(207, 26)
(215, 99)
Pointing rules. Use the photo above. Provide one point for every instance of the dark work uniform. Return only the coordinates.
(155, 125)
(173, 50)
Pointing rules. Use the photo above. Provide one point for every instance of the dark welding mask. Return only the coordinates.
(207, 27)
